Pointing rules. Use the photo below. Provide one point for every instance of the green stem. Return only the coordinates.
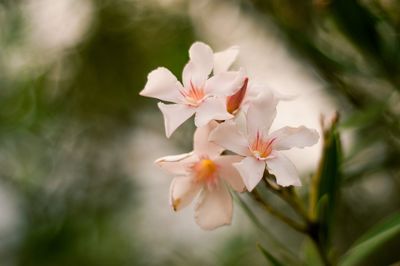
(298, 227)
(287, 253)
(313, 233)
(290, 196)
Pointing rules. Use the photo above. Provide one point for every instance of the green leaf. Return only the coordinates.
(373, 239)
(364, 117)
(270, 258)
(327, 181)
(283, 250)
(311, 255)
(358, 24)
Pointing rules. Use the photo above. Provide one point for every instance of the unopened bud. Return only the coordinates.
(234, 101)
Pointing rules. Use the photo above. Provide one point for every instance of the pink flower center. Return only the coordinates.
(205, 171)
(261, 147)
(193, 95)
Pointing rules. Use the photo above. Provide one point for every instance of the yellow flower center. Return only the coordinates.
(205, 170)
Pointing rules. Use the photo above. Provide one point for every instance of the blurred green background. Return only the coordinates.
(76, 138)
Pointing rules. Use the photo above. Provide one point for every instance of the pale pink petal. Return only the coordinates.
(214, 208)
(228, 172)
(202, 56)
(283, 169)
(289, 137)
(199, 66)
(177, 164)
(211, 109)
(251, 170)
(257, 88)
(174, 116)
(163, 85)
(228, 136)
(260, 114)
(193, 77)
(182, 192)
(225, 83)
(202, 146)
(224, 59)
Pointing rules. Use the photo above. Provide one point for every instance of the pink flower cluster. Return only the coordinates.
(230, 114)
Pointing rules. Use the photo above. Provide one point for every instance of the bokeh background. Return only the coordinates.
(77, 143)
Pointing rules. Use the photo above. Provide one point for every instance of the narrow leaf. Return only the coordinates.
(311, 255)
(326, 182)
(373, 239)
(270, 258)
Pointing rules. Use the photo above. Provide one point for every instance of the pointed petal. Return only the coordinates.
(228, 136)
(261, 113)
(283, 169)
(251, 170)
(214, 208)
(201, 144)
(224, 59)
(163, 85)
(211, 109)
(289, 137)
(182, 192)
(225, 83)
(228, 172)
(174, 116)
(177, 164)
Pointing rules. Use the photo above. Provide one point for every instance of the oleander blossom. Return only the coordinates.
(200, 94)
(206, 172)
(261, 148)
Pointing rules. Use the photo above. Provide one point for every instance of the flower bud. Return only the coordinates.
(234, 101)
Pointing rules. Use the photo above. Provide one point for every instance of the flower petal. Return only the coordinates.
(192, 76)
(174, 116)
(199, 66)
(289, 137)
(228, 172)
(225, 83)
(251, 170)
(202, 56)
(163, 85)
(214, 208)
(182, 192)
(177, 164)
(283, 169)
(201, 144)
(261, 113)
(228, 136)
(224, 59)
(211, 109)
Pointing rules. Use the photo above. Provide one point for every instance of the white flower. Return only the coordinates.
(204, 171)
(200, 95)
(260, 148)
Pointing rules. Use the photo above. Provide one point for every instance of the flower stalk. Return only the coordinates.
(267, 207)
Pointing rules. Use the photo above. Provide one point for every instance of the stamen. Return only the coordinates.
(205, 170)
(261, 147)
(193, 95)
